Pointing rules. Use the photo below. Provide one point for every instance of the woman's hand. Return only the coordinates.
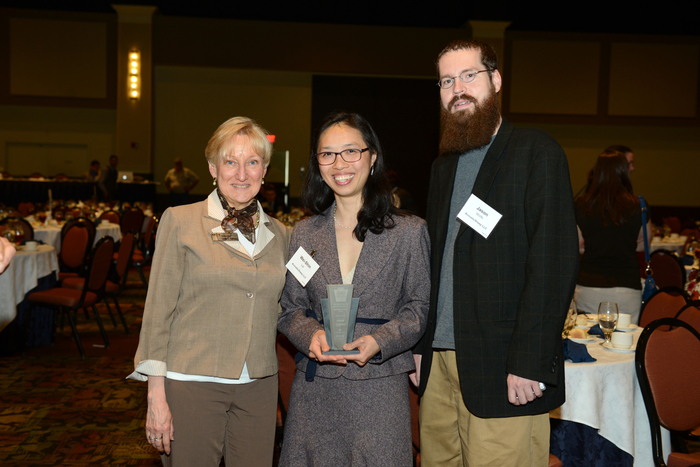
(367, 346)
(319, 345)
(159, 422)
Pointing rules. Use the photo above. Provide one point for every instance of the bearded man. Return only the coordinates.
(504, 262)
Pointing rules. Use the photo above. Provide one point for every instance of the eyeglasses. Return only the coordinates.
(465, 77)
(348, 155)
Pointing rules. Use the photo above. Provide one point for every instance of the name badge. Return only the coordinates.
(224, 237)
(302, 266)
(479, 216)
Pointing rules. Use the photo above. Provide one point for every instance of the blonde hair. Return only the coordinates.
(222, 139)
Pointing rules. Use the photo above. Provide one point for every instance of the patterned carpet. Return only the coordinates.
(59, 409)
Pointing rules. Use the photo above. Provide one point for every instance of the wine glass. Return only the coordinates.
(607, 318)
(570, 320)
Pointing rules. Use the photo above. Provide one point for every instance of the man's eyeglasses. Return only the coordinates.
(465, 77)
(348, 155)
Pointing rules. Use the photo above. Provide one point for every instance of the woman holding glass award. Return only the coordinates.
(609, 220)
(354, 409)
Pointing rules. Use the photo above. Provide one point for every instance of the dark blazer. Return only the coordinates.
(392, 281)
(512, 290)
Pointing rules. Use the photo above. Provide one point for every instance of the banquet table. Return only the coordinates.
(51, 234)
(669, 243)
(22, 275)
(605, 395)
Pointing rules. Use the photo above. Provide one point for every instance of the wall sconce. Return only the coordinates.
(134, 83)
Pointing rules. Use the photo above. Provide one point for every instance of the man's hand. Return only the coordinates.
(521, 390)
(415, 376)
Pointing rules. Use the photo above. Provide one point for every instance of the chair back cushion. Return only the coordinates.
(691, 315)
(101, 261)
(668, 270)
(663, 304)
(75, 246)
(126, 250)
(132, 221)
(672, 361)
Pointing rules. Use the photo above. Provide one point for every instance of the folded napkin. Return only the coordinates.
(687, 260)
(597, 331)
(576, 352)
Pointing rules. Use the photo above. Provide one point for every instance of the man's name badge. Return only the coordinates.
(302, 266)
(479, 216)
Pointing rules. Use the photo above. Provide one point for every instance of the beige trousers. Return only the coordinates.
(451, 436)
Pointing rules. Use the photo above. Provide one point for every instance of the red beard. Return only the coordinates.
(463, 132)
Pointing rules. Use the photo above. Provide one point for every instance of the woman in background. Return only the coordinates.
(609, 220)
(354, 409)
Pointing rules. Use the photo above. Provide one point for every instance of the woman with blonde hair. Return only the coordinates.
(207, 345)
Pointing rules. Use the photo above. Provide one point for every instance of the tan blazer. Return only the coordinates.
(210, 306)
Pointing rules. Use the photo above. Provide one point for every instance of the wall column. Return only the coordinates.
(135, 116)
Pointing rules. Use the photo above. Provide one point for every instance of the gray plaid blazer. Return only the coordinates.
(512, 290)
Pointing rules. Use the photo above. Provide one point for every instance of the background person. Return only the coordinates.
(355, 409)
(93, 174)
(609, 222)
(207, 344)
(180, 181)
(108, 179)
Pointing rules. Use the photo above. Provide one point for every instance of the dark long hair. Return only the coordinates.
(610, 192)
(377, 200)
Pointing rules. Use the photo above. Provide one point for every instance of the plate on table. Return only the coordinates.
(631, 328)
(588, 326)
(613, 349)
(585, 340)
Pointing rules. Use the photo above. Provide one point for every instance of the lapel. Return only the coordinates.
(489, 169)
(445, 175)
(326, 249)
(376, 252)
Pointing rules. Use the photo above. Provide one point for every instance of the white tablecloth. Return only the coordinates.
(668, 243)
(605, 395)
(21, 276)
(51, 235)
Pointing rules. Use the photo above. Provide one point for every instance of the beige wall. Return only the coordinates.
(206, 71)
(667, 160)
(191, 103)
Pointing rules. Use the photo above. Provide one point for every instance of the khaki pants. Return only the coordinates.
(450, 436)
(211, 420)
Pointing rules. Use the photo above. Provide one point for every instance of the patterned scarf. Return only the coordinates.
(245, 220)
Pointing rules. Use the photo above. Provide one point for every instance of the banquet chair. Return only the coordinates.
(674, 224)
(112, 289)
(66, 300)
(76, 238)
(26, 226)
(132, 221)
(668, 371)
(668, 269)
(142, 256)
(26, 208)
(691, 315)
(665, 303)
(111, 216)
(690, 233)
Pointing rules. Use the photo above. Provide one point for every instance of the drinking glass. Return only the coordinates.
(570, 320)
(607, 318)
